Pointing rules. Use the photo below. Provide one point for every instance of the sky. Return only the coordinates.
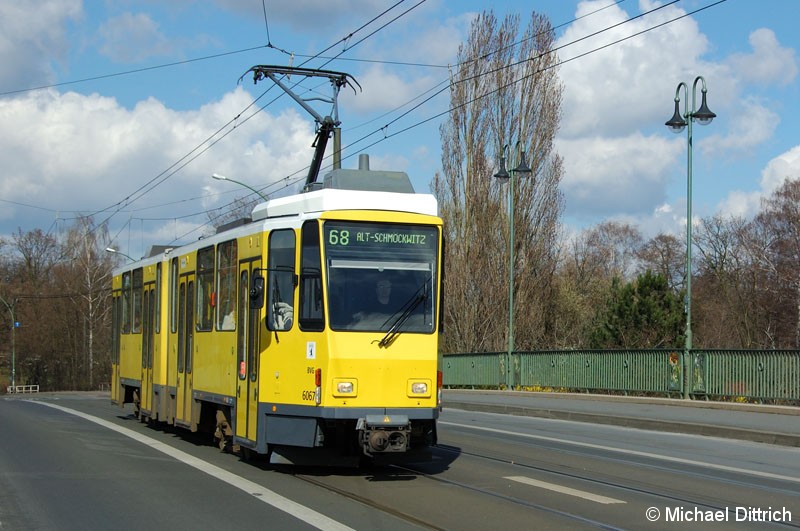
(123, 109)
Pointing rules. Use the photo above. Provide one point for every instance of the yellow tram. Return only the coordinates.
(312, 326)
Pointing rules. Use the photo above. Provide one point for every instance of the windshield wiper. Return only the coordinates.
(404, 313)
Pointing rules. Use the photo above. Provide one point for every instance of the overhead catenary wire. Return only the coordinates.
(177, 166)
(287, 181)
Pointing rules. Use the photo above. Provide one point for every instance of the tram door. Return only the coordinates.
(147, 350)
(183, 413)
(247, 347)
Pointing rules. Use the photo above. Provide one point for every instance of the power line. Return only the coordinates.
(287, 182)
(134, 71)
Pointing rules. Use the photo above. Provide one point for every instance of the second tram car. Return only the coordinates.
(312, 326)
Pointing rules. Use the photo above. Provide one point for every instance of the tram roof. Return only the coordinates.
(338, 199)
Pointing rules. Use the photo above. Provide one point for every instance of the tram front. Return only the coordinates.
(383, 290)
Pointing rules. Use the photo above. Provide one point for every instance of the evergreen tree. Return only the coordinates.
(644, 313)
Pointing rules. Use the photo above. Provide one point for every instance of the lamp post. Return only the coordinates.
(504, 175)
(10, 308)
(219, 177)
(676, 124)
(114, 251)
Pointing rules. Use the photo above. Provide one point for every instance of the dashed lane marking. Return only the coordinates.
(564, 490)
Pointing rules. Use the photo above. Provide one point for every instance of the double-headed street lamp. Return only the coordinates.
(219, 177)
(676, 124)
(503, 175)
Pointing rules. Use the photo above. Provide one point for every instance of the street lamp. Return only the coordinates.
(503, 175)
(114, 251)
(676, 124)
(13, 342)
(219, 177)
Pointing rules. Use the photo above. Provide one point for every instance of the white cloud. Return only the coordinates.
(90, 152)
(751, 126)
(606, 175)
(740, 204)
(631, 83)
(32, 34)
(131, 38)
(384, 90)
(784, 166)
(769, 63)
(780, 169)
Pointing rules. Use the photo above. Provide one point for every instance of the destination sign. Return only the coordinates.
(379, 235)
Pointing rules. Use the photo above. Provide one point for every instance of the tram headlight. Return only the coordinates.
(345, 387)
(419, 388)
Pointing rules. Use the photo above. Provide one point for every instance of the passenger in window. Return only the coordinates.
(383, 291)
(282, 314)
(376, 307)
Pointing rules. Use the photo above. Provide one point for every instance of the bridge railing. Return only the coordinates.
(751, 374)
(11, 389)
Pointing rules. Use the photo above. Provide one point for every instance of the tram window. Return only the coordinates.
(115, 328)
(381, 276)
(226, 285)
(281, 280)
(312, 315)
(173, 295)
(138, 277)
(241, 348)
(205, 289)
(126, 303)
(146, 328)
(189, 335)
(157, 303)
(181, 326)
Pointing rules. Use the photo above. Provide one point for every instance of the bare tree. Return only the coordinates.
(39, 252)
(505, 92)
(780, 255)
(90, 267)
(239, 208)
(664, 254)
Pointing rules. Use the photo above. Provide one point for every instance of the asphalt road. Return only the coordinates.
(89, 465)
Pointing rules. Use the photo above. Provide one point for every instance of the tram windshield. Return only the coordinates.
(381, 277)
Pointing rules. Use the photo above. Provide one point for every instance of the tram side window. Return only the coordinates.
(226, 285)
(115, 328)
(281, 280)
(173, 295)
(126, 303)
(312, 316)
(138, 285)
(205, 289)
(157, 303)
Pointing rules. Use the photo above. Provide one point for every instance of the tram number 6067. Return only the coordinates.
(308, 395)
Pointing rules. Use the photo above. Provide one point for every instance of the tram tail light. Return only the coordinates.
(318, 384)
(439, 383)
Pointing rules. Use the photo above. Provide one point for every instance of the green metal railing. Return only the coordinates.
(750, 374)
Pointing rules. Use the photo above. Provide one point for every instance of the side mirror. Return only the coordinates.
(257, 291)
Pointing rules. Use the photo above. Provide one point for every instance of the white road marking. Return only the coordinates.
(564, 490)
(301, 512)
(757, 473)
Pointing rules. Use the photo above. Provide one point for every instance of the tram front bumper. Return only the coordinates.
(384, 433)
